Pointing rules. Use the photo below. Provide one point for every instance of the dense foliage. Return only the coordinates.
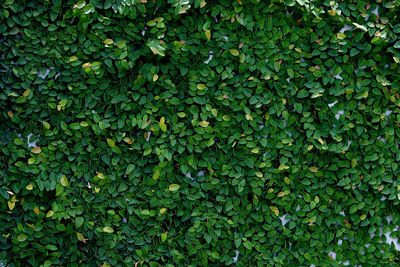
(199, 132)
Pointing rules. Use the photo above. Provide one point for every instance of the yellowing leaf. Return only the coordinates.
(46, 125)
(275, 210)
(287, 180)
(234, 52)
(249, 117)
(313, 169)
(29, 187)
(155, 77)
(156, 174)
(259, 174)
(154, 50)
(162, 125)
(86, 65)
(281, 194)
(26, 93)
(208, 34)
(201, 86)
(11, 205)
(173, 187)
(283, 167)
(255, 150)
(64, 180)
(22, 237)
(108, 41)
(363, 217)
(49, 213)
(214, 112)
(36, 150)
(203, 123)
(108, 229)
(97, 189)
(101, 176)
(80, 237)
(36, 210)
(163, 210)
(110, 142)
(341, 36)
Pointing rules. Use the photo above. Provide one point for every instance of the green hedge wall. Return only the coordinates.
(199, 132)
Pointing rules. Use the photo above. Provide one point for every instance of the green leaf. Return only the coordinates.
(164, 237)
(156, 48)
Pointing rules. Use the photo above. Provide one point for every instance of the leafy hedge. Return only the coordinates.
(199, 133)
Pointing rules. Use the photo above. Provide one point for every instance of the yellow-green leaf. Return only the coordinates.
(80, 237)
(46, 125)
(164, 237)
(162, 125)
(22, 237)
(234, 52)
(313, 169)
(287, 181)
(11, 205)
(36, 150)
(208, 34)
(341, 36)
(203, 123)
(64, 180)
(249, 117)
(110, 142)
(49, 213)
(353, 163)
(108, 41)
(163, 210)
(173, 187)
(29, 187)
(155, 77)
(156, 174)
(201, 86)
(108, 229)
(26, 93)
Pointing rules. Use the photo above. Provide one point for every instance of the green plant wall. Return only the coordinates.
(199, 133)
